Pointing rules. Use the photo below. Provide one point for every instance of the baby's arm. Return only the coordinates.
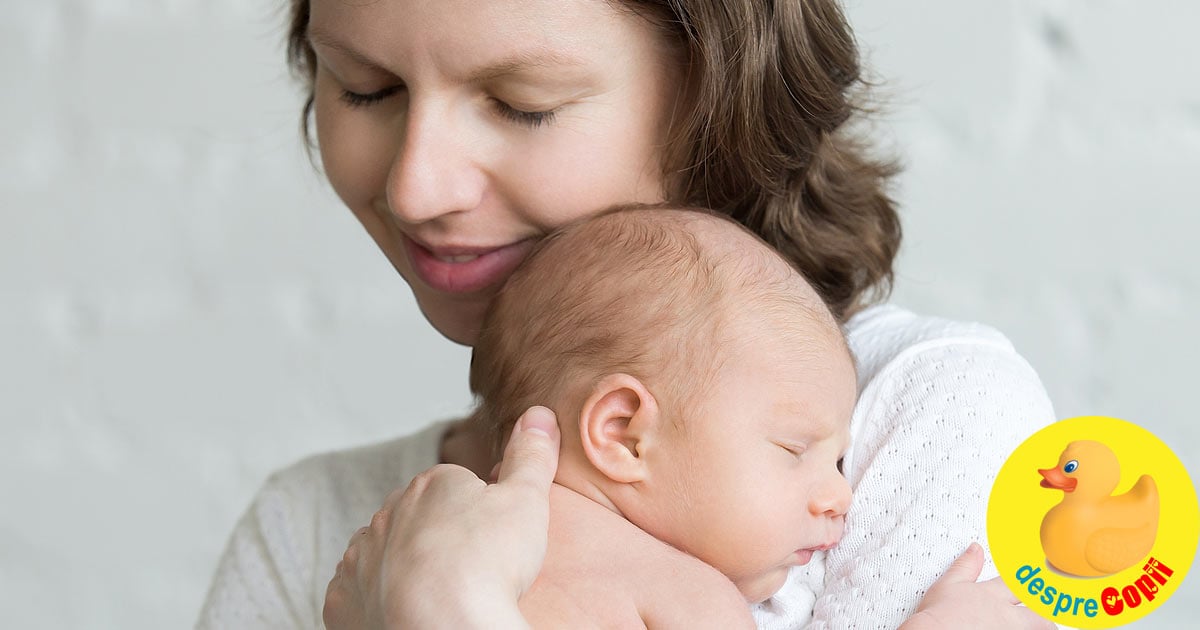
(956, 600)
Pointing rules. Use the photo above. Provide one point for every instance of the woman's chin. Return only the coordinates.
(458, 317)
(458, 323)
(460, 332)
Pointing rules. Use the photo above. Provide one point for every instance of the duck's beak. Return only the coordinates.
(1054, 478)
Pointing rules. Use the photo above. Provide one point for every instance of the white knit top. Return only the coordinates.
(941, 406)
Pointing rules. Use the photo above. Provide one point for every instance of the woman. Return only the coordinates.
(459, 131)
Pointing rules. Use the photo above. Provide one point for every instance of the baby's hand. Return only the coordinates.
(956, 600)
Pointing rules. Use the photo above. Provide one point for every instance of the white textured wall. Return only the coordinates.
(187, 307)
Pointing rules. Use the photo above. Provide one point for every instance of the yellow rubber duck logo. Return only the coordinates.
(1102, 543)
(1092, 532)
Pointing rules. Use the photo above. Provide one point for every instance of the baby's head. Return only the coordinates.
(703, 388)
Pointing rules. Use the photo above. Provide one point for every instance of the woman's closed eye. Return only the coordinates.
(531, 119)
(355, 99)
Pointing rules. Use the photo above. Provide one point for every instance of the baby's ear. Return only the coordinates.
(618, 422)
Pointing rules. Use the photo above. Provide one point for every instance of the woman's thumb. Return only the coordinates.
(966, 567)
(531, 456)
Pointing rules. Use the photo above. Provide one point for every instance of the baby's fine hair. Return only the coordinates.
(635, 290)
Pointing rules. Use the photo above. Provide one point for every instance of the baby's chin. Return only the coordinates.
(760, 588)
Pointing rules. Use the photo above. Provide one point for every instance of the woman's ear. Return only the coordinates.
(617, 425)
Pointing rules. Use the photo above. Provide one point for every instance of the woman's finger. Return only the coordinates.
(531, 457)
(966, 567)
(1032, 621)
(997, 587)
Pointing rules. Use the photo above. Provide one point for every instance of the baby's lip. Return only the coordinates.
(801, 557)
(805, 554)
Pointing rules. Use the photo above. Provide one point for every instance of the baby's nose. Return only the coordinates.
(835, 497)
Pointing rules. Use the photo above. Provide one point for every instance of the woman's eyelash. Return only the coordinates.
(532, 120)
(354, 99)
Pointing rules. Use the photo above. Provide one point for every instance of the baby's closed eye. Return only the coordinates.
(795, 448)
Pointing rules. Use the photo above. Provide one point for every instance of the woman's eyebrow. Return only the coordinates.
(512, 64)
(525, 60)
(318, 36)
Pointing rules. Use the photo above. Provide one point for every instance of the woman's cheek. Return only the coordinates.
(629, 169)
(354, 152)
(572, 173)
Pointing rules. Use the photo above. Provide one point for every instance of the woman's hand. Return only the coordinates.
(452, 551)
(956, 600)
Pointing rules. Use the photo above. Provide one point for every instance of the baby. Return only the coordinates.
(704, 393)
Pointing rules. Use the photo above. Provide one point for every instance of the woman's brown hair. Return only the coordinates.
(773, 87)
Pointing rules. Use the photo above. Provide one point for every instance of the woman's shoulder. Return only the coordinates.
(943, 382)
(941, 406)
(282, 552)
(361, 475)
(884, 335)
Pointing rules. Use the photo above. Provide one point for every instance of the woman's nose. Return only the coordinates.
(434, 172)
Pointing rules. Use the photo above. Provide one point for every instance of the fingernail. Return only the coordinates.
(540, 420)
(974, 547)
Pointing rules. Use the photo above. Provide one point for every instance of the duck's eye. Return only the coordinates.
(1071, 466)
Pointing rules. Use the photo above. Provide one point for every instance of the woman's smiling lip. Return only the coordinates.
(455, 269)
